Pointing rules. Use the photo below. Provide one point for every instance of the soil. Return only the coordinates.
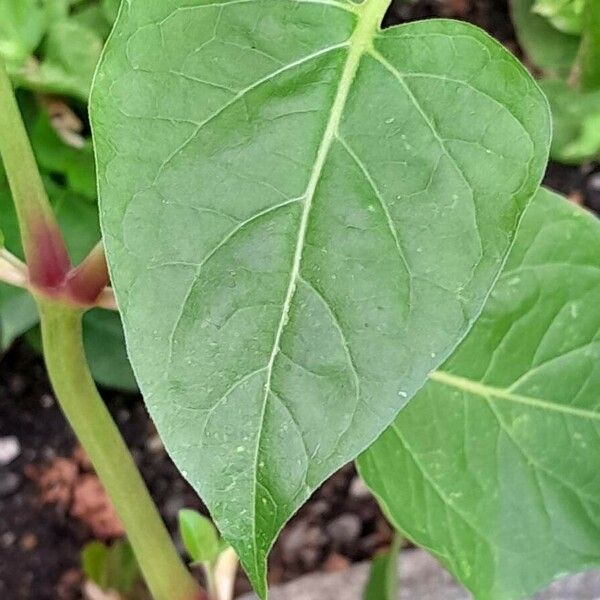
(50, 503)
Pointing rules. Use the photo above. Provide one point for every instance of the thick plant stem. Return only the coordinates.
(165, 574)
(45, 250)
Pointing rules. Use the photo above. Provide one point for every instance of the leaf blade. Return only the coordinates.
(235, 288)
(499, 439)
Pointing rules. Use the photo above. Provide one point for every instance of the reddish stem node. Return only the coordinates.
(48, 259)
(86, 282)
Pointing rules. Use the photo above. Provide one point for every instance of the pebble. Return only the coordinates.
(154, 444)
(10, 448)
(172, 507)
(358, 489)
(28, 542)
(46, 400)
(594, 182)
(345, 529)
(302, 540)
(17, 384)
(593, 192)
(9, 483)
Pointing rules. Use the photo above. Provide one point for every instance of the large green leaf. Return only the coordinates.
(550, 49)
(494, 465)
(303, 216)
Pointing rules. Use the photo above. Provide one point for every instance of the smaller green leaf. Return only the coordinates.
(56, 157)
(18, 313)
(111, 9)
(111, 568)
(493, 466)
(94, 558)
(565, 15)
(105, 350)
(576, 122)
(56, 10)
(383, 576)
(93, 17)
(123, 570)
(589, 53)
(22, 26)
(199, 536)
(66, 68)
(550, 49)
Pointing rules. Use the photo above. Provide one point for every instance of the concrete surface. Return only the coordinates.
(422, 578)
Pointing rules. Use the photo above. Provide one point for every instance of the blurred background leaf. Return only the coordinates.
(52, 47)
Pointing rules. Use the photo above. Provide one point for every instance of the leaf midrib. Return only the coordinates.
(370, 14)
(478, 388)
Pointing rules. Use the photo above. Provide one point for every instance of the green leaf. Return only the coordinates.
(383, 576)
(103, 340)
(93, 17)
(18, 313)
(303, 216)
(66, 68)
(551, 50)
(55, 157)
(22, 26)
(111, 567)
(576, 122)
(199, 536)
(105, 350)
(94, 557)
(110, 9)
(589, 54)
(494, 465)
(565, 15)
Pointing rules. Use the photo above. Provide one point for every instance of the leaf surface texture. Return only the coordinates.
(303, 217)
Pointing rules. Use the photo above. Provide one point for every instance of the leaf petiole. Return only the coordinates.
(12, 270)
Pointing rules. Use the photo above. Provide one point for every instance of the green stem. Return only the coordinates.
(211, 583)
(165, 574)
(45, 250)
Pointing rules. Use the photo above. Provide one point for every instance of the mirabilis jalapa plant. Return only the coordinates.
(304, 217)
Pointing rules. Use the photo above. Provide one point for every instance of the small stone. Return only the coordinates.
(17, 384)
(344, 530)
(593, 192)
(154, 444)
(28, 542)
(123, 415)
(8, 539)
(10, 448)
(47, 401)
(9, 483)
(336, 562)
(304, 542)
(172, 506)
(358, 489)
(594, 182)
